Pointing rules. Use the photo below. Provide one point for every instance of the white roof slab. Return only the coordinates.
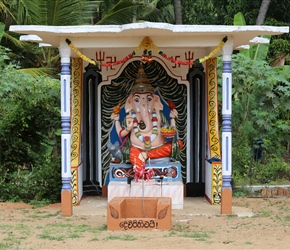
(130, 35)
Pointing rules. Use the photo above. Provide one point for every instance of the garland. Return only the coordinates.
(146, 139)
(147, 45)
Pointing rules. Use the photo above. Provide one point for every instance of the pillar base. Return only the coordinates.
(226, 201)
(66, 203)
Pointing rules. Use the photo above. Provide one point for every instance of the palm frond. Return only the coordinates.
(68, 12)
(121, 13)
(36, 72)
(2, 27)
(164, 14)
(11, 38)
(28, 12)
(5, 11)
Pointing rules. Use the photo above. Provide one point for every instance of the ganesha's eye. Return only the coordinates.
(136, 99)
(149, 99)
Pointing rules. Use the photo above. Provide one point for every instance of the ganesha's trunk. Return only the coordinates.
(146, 117)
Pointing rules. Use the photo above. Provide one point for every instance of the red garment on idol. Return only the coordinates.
(163, 151)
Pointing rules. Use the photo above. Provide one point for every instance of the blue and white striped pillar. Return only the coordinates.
(226, 195)
(66, 191)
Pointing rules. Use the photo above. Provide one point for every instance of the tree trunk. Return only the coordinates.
(177, 11)
(279, 60)
(263, 11)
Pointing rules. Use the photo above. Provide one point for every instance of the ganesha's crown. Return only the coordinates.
(142, 84)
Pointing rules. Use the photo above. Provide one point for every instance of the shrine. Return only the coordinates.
(139, 109)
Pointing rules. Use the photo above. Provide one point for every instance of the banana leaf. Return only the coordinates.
(255, 52)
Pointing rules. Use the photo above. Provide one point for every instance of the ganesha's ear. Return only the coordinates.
(129, 103)
(157, 103)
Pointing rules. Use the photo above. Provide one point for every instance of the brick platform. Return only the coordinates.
(270, 192)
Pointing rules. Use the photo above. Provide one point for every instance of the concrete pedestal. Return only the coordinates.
(152, 188)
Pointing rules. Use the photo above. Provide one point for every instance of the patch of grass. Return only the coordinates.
(248, 243)
(113, 237)
(74, 236)
(286, 219)
(231, 216)
(129, 237)
(60, 225)
(126, 237)
(66, 219)
(21, 227)
(198, 235)
(11, 241)
(5, 227)
(44, 215)
(241, 192)
(179, 227)
(36, 204)
(51, 237)
(171, 233)
(283, 207)
(102, 228)
(82, 228)
(5, 245)
(265, 213)
(48, 215)
(180, 230)
(23, 237)
(60, 231)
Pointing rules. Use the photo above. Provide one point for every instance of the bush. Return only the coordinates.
(43, 182)
(274, 169)
(29, 135)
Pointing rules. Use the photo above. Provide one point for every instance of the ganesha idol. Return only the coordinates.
(145, 127)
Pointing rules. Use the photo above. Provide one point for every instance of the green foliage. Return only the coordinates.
(29, 141)
(240, 192)
(129, 11)
(277, 48)
(221, 12)
(2, 26)
(273, 169)
(42, 183)
(260, 109)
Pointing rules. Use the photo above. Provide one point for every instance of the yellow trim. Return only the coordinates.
(76, 110)
(216, 182)
(76, 125)
(213, 129)
(74, 185)
(212, 107)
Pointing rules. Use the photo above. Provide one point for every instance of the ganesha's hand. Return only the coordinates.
(173, 114)
(143, 156)
(115, 117)
(129, 126)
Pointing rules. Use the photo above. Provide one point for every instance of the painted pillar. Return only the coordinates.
(66, 191)
(226, 194)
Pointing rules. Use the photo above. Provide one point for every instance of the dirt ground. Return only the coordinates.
(256, 223)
